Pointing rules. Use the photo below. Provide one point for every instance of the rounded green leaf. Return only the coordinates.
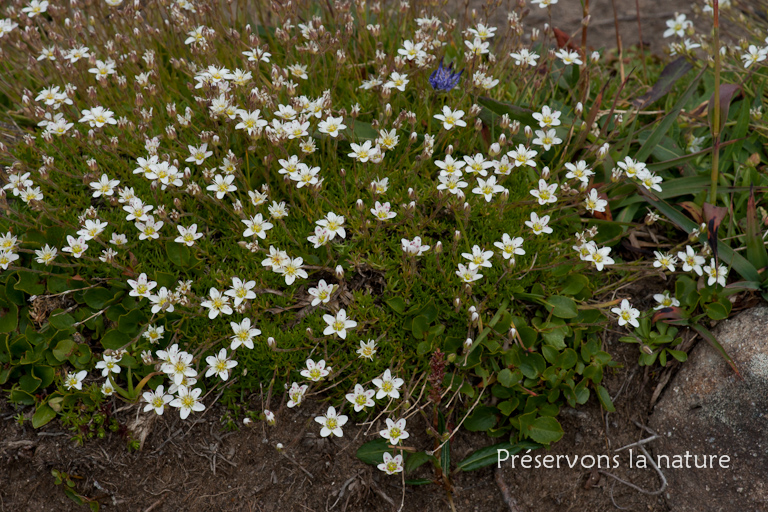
(545, 430)
(43, 415)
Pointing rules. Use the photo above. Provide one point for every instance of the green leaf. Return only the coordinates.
(515, 113)
(42, 416)
(716, 311)
(31, 283)
(482, 418)
(61, 320)
(97, 298)
(666, 123)
(507, 378)
(561, 307)
(420, 326)
(29, 383)
(114, 339)
(179, 254)
(397, 304)
(419, 481)
(545, 430)
(490, 454)
(372, 452)
(9, 317)
(707, 335)
(64, 349)
(416, 460)
(605, 399)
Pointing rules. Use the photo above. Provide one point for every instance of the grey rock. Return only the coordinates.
(709, 410)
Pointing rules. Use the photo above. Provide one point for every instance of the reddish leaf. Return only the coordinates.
(671, 314)
(694, 210)
(727, 94)
(713, 216)
(673, 72)
(564, 40)
(606, 215)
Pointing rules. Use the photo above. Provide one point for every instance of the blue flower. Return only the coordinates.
(444, 79)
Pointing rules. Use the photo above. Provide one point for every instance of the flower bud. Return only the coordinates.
(270, 417)
(439, 247)
(595, 57)
(579, 108)
(545, 173)
(271, 342)
(449, 149)
(528, 131)
(457, 303)
(495, 148)
(468, 343)
(504, 123)
(359, 205)
(339, 272)
(457, 235)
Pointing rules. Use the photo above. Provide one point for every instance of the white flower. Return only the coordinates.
(331, 423)
(478, 258)
(92, 229)
(593, 203)
(754, 55)
(322, 293)
(414, 247)
(488, 188)
(331, 126)
(569, 57)
(222, 185)
(392, 465)
(296, 394)
(243, 334)
(361, 153)
(339, 324)
(108, 364)
(677, 26)
(198, 155)
(664, 260)
(250, 121)
(179, 367)
(665, 301)
(382, 211)
(367, 349)
(539, 224)
(395, 431)
(196, 35)
(156, 400)
(599, 255)
(104, 186)
(187, 401)
(477, 46)
(411, 51)
(547, 118)
(6, 258)
(631, 167)
(218, 303)
(162, 301)
(546, 193)
(510, 246)
(34, 8)
(257, 226)
(388, 386)
(220, 365)
(451, 118)
(691, 260)
(276, 258)
(649, 180)
(98, 117)
(523, 156)
(525, 57)
(188, 236)
(241, 291)
(141, 286)
(397, 81)
(547, 139)
(361, 398)
(76, 246)
(545, 3)
(149, 229)
(468, 275)
(154, 333)
(46, 255)
(75, 380)
(627, 314)
(334, 224)
(715, 273)
(315, 371)
(292, 269)
(580, 171)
